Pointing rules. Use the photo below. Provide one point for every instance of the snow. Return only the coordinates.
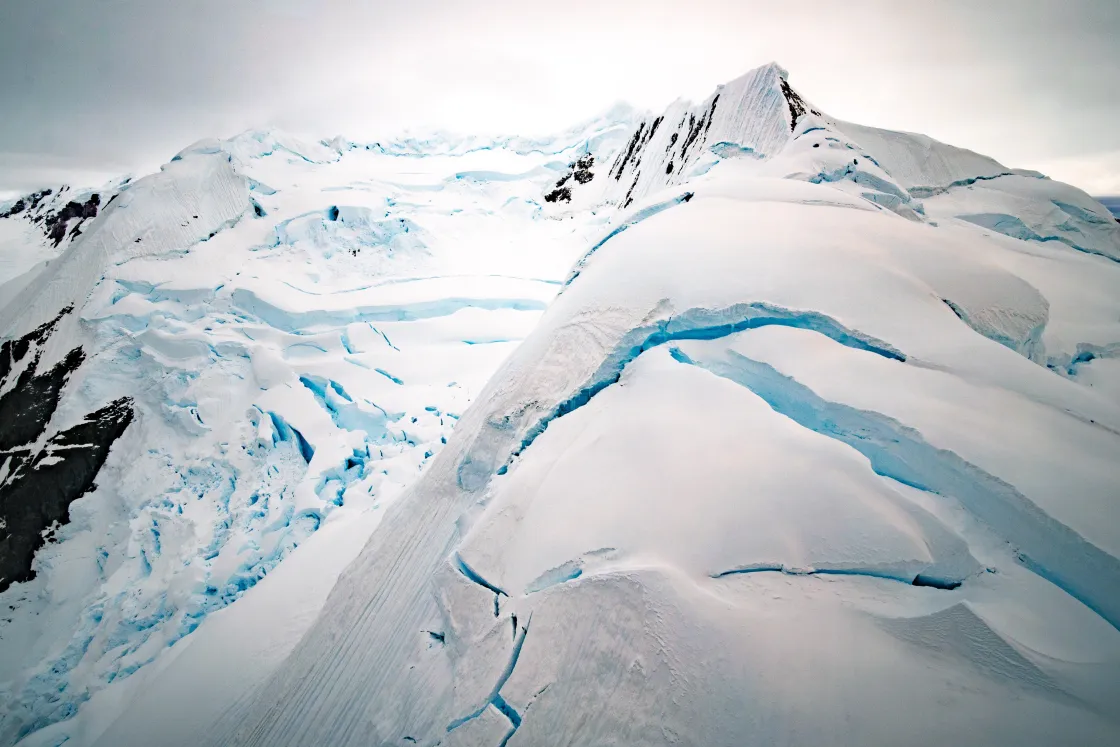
(300, 326)
(811, 437)
(16, 238)
(752, 115)
(919, 163)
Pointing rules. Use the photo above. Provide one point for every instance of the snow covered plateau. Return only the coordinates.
(733, 424)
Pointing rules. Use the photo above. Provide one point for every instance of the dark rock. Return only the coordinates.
(26, 203)
(556, 195)
(28, 407)
(41, 482)
(711, 114)
(797, 107)
(626, 202)
(580, 171)
(696, 127)
(40, 488)
(634, 140)
(55, 224)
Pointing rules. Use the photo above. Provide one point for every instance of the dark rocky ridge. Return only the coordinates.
(56, 223)
(686, 139)
(579, 171)
(40, 479)
(28, 203)
(689, 134)
(797, 105)
(27, 408)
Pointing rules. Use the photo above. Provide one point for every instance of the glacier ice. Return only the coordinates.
(297, 349)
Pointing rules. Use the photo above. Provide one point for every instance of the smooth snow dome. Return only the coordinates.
(723, 425)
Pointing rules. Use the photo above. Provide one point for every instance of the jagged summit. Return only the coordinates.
(752, 112)
(761, 118)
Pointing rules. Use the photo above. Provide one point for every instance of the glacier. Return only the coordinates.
(731, 423)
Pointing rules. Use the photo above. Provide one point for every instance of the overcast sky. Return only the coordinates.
(90, 88)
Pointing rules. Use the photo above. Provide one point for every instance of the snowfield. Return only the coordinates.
(735, 424)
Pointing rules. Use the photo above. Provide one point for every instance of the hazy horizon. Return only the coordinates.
(104, 88)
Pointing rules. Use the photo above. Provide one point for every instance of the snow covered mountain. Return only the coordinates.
(732, 424)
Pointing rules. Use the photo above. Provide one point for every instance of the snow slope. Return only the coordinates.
(787, 461)
(767, 428)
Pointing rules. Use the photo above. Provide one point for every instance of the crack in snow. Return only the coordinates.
(636, 218)
(495, 699)
(1045, 546)
(931, 191)
(920, 579)
(701, 324)
(473, 576)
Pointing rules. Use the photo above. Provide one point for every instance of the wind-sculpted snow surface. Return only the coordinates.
(1032, 209)
(770, 439)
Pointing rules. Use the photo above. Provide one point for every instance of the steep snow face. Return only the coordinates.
(749, 117)
(239, 361)
(790, 453)
(36, 228)
(187, 202)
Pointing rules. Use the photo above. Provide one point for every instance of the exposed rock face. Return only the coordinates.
(57, 222)
(57, 219)
(757, 112)
(579, 171)
(28, 203)
(39, 479)
(797, 105)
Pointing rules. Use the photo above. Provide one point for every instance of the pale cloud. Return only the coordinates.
(130, 82)
(1096, 173)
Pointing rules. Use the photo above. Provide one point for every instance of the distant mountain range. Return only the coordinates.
(1112, 203)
